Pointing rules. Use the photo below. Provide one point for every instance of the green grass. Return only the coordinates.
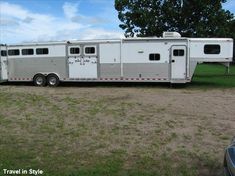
(213, 76)
(106, 136)
(111, 135)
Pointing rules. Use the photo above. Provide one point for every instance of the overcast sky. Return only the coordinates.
(53, 20)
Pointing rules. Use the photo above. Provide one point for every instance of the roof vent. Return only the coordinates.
(171, 35)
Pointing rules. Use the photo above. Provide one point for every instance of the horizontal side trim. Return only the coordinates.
(20, 79)
(116, 79)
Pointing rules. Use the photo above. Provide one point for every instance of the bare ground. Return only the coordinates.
(161, 130)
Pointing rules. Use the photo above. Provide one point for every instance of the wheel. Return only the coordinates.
(53, 80)
(39, 80)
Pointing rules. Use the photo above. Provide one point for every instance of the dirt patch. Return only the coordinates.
(80, 123)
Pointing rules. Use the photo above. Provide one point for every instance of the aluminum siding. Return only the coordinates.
(110, 70)
(146, 70)
(28, 67)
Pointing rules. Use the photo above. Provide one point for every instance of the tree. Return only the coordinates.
(191, 18)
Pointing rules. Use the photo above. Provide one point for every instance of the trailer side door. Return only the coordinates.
(74, 60)
(178, 62)
(90, 59)
(83, 61)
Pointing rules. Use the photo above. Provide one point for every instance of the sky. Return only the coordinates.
(57, 20)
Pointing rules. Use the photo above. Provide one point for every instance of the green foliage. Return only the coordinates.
(192, 18)
(213, 76)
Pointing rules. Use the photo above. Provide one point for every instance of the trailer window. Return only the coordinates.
(27, 51)
(212, 49)
(41, 51)
(13, 52)
(90, 50)
(154, 57)
(3, 53)
(178, 52)
(75, 50)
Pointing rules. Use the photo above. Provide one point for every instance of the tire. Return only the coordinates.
(53, 80)
(39, 80)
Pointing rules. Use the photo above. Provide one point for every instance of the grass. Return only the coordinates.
(98, 137)
(115, 134)
(213, 76)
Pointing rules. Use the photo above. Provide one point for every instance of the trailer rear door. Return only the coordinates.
(178, 62)
(3, 64)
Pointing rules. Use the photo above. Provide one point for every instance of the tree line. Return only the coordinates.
(191, 18)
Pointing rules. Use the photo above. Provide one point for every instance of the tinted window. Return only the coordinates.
(212, 49)
(74, 50)
(90, 50)
(14, 52)
(178, 52)
(42, 51)
(3, 53)
(27, 51)
(154, 57)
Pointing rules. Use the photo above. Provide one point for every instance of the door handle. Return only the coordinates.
(172, 61)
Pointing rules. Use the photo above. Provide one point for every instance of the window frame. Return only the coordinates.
(90, 54)
(179, 54)
(154, 54)
(211, 45)
(9, 50)
(42, 53)
(77, 54)
(3, 51)
(27, 54)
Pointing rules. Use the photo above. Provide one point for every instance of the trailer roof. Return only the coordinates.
(210, 39)
(92, 41)
(66, 42)
(38, 43)
(116, 40)
(153, 38)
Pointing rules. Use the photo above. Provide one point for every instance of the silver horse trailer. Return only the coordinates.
(170, 58)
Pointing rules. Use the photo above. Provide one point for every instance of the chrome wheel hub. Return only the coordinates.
(39, 80)
(52, 81)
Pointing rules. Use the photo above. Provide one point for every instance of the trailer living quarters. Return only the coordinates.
(170, 58)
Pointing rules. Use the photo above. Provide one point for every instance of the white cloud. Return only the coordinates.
(13, 10)
(100, 34)
(19, 24)
(4, 21)
(70, 9)
(72, 14)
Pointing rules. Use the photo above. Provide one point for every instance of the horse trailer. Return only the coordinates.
(170, 58)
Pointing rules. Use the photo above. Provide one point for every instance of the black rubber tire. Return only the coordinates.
(39, 80)
(53, 80)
